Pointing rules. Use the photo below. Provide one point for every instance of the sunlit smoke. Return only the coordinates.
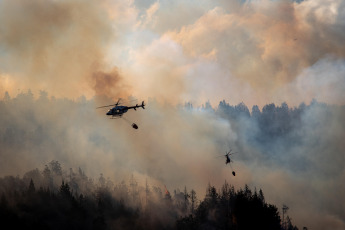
(258, 52)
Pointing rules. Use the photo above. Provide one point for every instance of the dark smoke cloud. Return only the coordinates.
(108, 85)
(57, 46)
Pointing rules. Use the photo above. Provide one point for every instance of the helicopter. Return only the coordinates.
(118, 110)
(228, 160)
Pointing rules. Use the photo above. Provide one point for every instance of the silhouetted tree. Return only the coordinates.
(55, 168)
(101, 180)
(289, 224)
(256, 113)
(47, 175)
(242, 111)
(193, 201)
(31, 189)
(7, 97)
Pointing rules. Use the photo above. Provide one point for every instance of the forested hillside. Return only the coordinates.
(54, 199)
(295, 154)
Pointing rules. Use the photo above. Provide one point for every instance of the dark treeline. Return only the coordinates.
(272, 121)
(276, 126)
(54, 199)
(37, 201)
(230, 209)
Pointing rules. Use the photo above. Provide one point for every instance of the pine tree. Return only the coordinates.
(193, 200)
(31, 189)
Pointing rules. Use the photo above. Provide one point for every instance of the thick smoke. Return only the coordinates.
(175, 51)
(262, 48)
(294, 155)
(58, 46)
(167, 144)
(257, 52)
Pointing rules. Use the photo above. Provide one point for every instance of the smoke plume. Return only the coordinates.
(59, 60)
(58, 46)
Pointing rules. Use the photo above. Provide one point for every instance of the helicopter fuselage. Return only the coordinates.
(117, 111)
(228, 160)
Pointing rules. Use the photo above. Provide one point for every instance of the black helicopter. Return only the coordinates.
(118, 110)
(228, 160)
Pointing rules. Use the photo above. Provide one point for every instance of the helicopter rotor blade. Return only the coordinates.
(105, 106)
(121, 101)
(118, 102)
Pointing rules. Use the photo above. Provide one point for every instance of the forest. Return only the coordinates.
(37, 201)
(36, 129)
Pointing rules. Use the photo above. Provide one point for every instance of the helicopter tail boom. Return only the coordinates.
(136, 106)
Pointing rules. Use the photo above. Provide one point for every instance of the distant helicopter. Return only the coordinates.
(118, 110)
(228, 160)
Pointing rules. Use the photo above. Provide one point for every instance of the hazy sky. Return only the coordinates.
(251, 51)
(256, 52)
